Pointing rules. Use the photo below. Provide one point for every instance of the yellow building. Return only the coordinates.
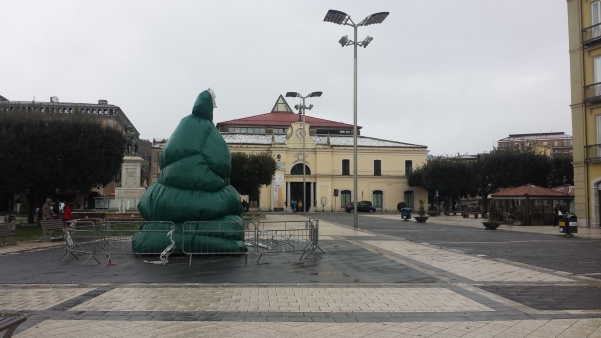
(381, 173)
(584, 22)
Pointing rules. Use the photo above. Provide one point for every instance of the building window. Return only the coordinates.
(408, 167)
(345, 198)
(247, 130)
(408, 199)
(567, 143)
(297, 169)
(377, 168)
(377, 198)
(596, 18)
(346, 167)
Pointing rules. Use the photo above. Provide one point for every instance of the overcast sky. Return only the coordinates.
(455, 76)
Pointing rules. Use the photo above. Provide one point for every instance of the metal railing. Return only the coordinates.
(592, 92)
(591, 35)
(216, 238)
(112, 237)
(592, 153)
(288, 236)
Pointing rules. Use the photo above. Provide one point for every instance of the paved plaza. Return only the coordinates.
(390, 278)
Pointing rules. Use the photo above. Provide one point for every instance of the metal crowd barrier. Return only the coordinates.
(216, 238)
(80, 240)
(117, 235)
(291, 236)
(114, 236)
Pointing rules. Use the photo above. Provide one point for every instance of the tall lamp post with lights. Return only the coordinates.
(301, 108)
(342, 18)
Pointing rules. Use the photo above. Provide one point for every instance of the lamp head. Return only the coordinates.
(292, 94)
(315, 94)
(310, 106)
(366, 41)
(297, 106)
(336, 17)
(373, 19)
(343, 41)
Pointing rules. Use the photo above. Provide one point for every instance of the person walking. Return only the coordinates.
(66, 214)
(46, 210)
(293, 205)
(300, 206)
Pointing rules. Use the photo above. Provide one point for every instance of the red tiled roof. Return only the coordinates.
(283, 119)
(565, 190)
(528, 189)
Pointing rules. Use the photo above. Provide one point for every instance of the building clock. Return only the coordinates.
(300, 133)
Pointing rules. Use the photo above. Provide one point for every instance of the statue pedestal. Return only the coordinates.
(129, 193)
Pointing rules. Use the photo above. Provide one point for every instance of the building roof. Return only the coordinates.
(566, 190)
(529, 190)
(281, 116)
(119, 115)
(2, 98)
(536, 136)
(336, 141)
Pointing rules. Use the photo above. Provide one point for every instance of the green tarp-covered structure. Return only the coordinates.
(193, 186)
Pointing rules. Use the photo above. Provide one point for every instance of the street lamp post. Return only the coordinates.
(301, 108)
(342, 18)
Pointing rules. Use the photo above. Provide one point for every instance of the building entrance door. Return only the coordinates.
(296, 194)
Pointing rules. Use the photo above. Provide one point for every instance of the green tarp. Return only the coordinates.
(193, 185)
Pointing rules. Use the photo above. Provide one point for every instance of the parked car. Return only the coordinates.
(361, 207)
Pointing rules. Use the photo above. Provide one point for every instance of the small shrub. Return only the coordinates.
(493, 213)
(401, 205)
(421, 211)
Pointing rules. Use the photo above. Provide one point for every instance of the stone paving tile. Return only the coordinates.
(473, 268)
(532, 328)
(283, 300)
(551, 297)
(37, 298)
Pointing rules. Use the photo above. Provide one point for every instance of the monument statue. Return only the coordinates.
(132, 141)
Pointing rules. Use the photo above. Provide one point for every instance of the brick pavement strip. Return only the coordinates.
(36, 298)
(282, 299)
(572, 328)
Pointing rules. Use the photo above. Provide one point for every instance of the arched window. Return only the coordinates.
(297, 169)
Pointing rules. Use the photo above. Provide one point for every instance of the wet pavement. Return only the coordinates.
(389, 278)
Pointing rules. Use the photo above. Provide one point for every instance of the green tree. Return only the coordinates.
(562, 170)
(250, 172)
(40, 154)
(508, 168)
(450, 177)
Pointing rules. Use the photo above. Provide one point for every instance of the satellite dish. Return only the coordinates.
(54, 99)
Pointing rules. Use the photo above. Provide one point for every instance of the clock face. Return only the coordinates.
(300, 133)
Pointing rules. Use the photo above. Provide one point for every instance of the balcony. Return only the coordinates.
(591, 36)
(592, 93)
(592, 153)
